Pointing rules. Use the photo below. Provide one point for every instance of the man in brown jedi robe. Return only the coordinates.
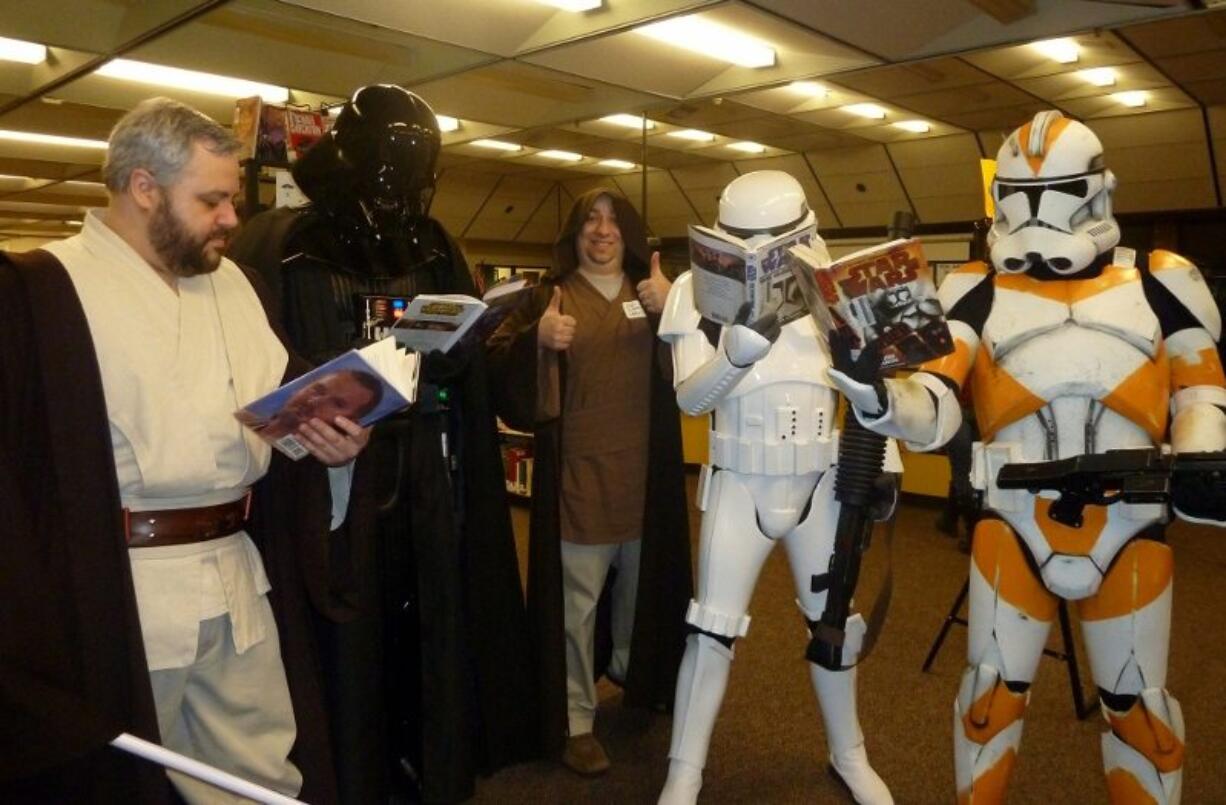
(580, 366)
(143, 590)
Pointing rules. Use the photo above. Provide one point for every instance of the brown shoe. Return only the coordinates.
(584, 755)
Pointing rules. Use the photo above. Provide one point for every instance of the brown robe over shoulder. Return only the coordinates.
(521, 372)
(72, 664)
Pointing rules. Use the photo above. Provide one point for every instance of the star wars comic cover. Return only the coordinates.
(728, 274)
(884, 293)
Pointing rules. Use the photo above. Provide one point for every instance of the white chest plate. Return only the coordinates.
(778, 420)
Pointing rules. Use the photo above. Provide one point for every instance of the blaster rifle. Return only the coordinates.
(1194, 482)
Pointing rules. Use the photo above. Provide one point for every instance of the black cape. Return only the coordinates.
(432, 545)
(73, 673)
(665, 578)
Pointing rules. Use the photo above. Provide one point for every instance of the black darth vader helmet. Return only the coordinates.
(376, 167)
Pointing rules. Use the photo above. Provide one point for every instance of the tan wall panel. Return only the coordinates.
(1160, 196)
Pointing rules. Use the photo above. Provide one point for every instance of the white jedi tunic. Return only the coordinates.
(174, 368)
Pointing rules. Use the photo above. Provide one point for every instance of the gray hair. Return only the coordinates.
(158, 136)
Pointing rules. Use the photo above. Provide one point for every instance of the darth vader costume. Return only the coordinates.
(432, 685)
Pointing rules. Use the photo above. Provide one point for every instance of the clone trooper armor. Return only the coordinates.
(772, 444)
(1070, 348)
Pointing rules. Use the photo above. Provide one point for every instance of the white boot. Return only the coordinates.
(836, 696)
(701, 681)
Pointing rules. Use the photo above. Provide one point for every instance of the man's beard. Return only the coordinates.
(182, 254)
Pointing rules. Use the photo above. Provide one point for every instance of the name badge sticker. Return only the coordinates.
(634, 310)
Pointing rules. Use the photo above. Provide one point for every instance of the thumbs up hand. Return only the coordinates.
(654, 290)
(555, 330)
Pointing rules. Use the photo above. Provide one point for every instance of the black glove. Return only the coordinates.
(865, 369)
(766, 326)
(440, 368)
(885, 495)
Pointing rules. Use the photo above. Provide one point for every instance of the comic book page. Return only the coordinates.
(883, 294)
(728, 274)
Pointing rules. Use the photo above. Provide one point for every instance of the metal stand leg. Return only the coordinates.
(950, 619)
(1068, 656)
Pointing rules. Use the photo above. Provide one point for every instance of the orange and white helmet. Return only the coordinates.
(1053, 199)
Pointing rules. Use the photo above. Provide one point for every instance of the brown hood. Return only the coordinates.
(637, 260)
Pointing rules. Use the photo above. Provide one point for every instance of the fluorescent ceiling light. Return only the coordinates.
(620, 164)
(143, 73)
(916, 126)
(1065, 50)
(748, 147)
(1134, 98)
(78, 183)
(869, 110)
(75, 223)
(566, 156)
(573, 5)
(447, 123)
(629, 121)
(693, 134)
(810, 88)
(698, 35)
(24, 52)
(1099, 76)
(50, 139)
(497, 145)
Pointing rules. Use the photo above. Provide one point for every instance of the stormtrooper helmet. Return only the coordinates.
(763, 205)
(1053, 199)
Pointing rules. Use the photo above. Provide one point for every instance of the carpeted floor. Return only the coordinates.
(768, 745)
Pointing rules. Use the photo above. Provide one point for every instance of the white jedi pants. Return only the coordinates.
(584, 569)
(231, 711)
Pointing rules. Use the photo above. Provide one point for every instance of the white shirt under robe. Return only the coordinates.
(174, 369)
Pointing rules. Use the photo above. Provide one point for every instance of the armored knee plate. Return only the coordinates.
(987, 732)
(1143, 753)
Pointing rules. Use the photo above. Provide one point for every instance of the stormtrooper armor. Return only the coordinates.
(1071, 347)
(772, 446)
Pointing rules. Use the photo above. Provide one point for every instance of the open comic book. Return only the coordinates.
(363, 385)
(440, 321)
(884, 293)
(728, 274)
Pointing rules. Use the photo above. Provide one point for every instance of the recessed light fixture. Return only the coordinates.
(914, 126)
(497, 145)
(810, 88)
(1063, 50)
(869, 110)
(193, 80)
(699, 35)
(1133, 98)
(1099, 76)
(565, 156)
(619, 164)
(50, 139)
(24, 52)
(693, 134)
(447, 123)
(748, 147)
(629, 121)
(574, 5)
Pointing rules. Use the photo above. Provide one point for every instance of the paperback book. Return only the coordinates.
(440, 321)
(729, 274)
(882, 294)
(364, 385)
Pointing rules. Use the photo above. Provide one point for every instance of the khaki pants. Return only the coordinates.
(231, 711)
(584, 569)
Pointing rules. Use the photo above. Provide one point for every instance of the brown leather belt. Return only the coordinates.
(153, 529)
